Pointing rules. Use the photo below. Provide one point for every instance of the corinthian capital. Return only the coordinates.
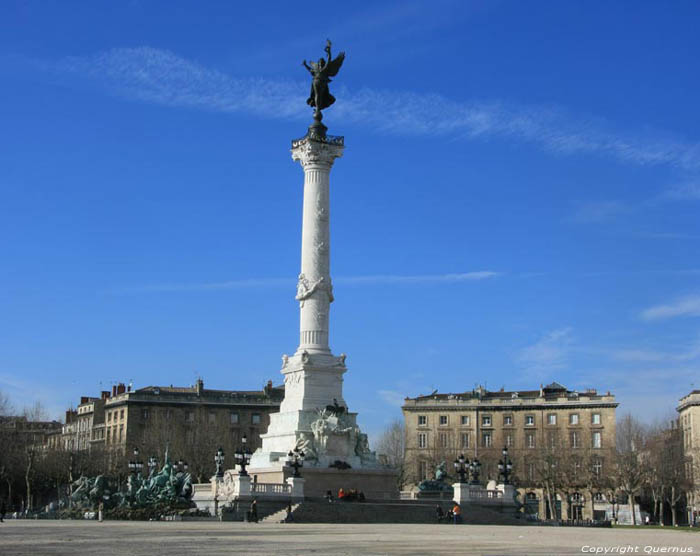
(316, 153)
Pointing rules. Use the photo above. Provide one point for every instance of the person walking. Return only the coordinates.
(289, 517)
(439, 513)
(3, 509)
(457, 513)
(254, 510)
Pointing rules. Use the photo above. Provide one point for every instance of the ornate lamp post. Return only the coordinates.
(136, 465)
(219, 461)
(295, 460)
(505, 466)
(242, 455)
(152, 464)
(474, 470)
(462, 468)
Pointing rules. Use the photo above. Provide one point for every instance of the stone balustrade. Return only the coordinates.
(270, 489)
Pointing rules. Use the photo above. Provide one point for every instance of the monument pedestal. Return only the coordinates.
(376, 484)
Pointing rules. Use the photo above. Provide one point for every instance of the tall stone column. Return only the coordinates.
(314, 288)
(313, 376)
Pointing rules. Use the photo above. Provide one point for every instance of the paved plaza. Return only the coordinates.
(49, 538)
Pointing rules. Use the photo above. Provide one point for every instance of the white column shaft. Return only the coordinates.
(315, 259)
(314, 289)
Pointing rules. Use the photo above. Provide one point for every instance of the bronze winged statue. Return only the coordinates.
(322, 71)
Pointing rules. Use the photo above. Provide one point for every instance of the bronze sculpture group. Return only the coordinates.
(169, 486)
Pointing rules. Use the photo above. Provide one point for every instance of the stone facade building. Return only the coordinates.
(21, 430)
(480, 423)
(689, 423)
(131, 417)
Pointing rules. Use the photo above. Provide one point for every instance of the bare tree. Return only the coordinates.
(674, 467)
(630, 472)
(654, 478)
(550, 475)
(5, 405)
(36, 412)
(392, 445)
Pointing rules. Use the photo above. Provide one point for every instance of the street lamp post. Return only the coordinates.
(295, 460)
(505, 466)
(462, 468)
(219, 461)
(136, 465)
(182, 465)
(474, 470)
(242, 456)
(152, 464)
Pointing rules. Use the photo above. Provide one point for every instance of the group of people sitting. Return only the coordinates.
(451, 516)
(352, 495)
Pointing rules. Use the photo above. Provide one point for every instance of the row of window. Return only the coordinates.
(112, 434)
(486, 421)
(234, 417)
(112, 416)
(444, 440)
(425, 470)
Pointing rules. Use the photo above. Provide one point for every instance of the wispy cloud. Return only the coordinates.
(392, 397)
(550, 352)
(161, 77)
(689, 190)
(688, 306)
(209, 286)
(686, 353)
(377, 279)
(599, 211)
(667, 235)
(418, 279)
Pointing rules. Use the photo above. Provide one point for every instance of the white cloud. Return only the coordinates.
(600, 211)
(418, 279)
(688, 306)
(550, 352)
(685, 191)
(210, 286)
(688, 353)
(392, 397)
(277, 282)
(161, 77)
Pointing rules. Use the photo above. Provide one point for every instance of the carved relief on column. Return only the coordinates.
(307, 288)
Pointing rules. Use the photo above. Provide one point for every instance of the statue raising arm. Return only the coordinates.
(321, 71)
(327, 50)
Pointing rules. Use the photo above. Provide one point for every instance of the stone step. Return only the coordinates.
(266, 508)
(394, 512)
(281, 516)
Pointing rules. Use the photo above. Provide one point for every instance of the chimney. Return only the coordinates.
(121, 388)
(104, 394)
(199, 386)
(68, 416)
(114, 391)
(84, 399)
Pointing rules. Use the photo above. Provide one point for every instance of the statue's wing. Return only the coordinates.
(334, 65)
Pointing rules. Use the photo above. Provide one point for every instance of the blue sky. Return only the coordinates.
(517, 203)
